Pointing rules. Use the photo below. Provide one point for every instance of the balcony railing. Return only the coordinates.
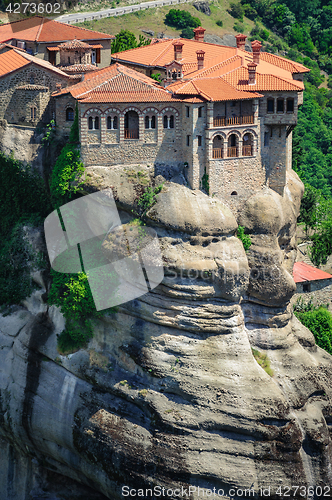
(217, 153)
(233, 120)
(246, 150)
(232, 152)
(130, 133)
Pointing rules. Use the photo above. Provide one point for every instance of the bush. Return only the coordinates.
(249, 11)
(319, 322)
(65, 176)
(219, 23)
(72, 293)
(245, 238)
(236, 10)
(239, 27)
(187, 33)
(181, 19)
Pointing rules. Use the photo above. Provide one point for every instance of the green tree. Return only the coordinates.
(126, 40)
(236, 10)
(181, 19)
(319, 322)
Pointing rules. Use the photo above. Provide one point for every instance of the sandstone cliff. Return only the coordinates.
(169, 392)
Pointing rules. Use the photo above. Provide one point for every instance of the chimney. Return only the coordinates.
(199, 34)
(256, 50)
(178, 50)
(252, 73)
(200, 59)
(241, 41)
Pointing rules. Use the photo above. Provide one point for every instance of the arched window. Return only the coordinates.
(233, 146)
(218, 147)
(32, 79)
(153, 121)
(90, 123)
(168, 121)
(115, 122)
(109, 122)
(131, 125)
(69, 115)
(97, 123)
(147, 122)
(248, 142)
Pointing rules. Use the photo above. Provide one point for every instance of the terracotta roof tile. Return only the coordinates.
(78, 68)
(159, 54)
(304, 272)
(117, 83)
(40, 29)
(10, 61)
(239, 79)
(281, 62)
(74, 44)
(214, 89)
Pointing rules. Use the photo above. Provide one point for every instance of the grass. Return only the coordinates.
(263, 361)
(153, 19)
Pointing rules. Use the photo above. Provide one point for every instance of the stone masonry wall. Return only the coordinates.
(15, 106)
(159, 146)
(320, 293)
(61, 104)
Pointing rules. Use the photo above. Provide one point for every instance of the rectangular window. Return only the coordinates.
(187, 111)
(200, 112)
(97, 56)
(290, 105)
(306, 287)
(33, 113)
(270, 105)
(188, 140)
(280, 106)
(271, 131)
(199, 139)
(266, 139)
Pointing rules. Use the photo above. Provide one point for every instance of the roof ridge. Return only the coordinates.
(39, 29)
(220, 64)
(78, 27)
(136, 48)
(19, 20)
(166, 49)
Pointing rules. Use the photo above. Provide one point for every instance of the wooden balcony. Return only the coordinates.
(246, 150)
(232, 152)
(233, 120)
(217, 153)
(130, 133)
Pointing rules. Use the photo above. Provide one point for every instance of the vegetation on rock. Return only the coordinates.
(245, 238)
(319, 321)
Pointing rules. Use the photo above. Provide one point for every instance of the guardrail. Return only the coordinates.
(119, 11)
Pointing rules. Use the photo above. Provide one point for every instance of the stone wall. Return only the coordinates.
(15, 103)
(108, 147)
(61, 104)
(320, 293)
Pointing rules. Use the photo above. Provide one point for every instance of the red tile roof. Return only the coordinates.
(274, 73)
(304, 272)
(212, 89)
(117, 83)
(10, 61)
(264, 82)
(14, 59)
(74, 44)
(281, 62)
(40, 29)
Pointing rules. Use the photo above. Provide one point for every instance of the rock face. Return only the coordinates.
(168, 392)
(203, 7)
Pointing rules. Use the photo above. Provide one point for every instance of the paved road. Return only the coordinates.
(119, 11)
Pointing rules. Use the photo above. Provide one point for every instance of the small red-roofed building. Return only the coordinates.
(312, 284)
(42, 37)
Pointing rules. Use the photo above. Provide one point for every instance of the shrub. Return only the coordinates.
(319, 321)
(236, 10)
(263, 361)
(181, 19)
(219, 23)
(72, 293)
(250, 11)
(65, 176)
(187, 33)
(245, 238)
(239, 27)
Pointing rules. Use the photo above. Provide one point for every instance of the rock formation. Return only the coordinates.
(168, 392)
